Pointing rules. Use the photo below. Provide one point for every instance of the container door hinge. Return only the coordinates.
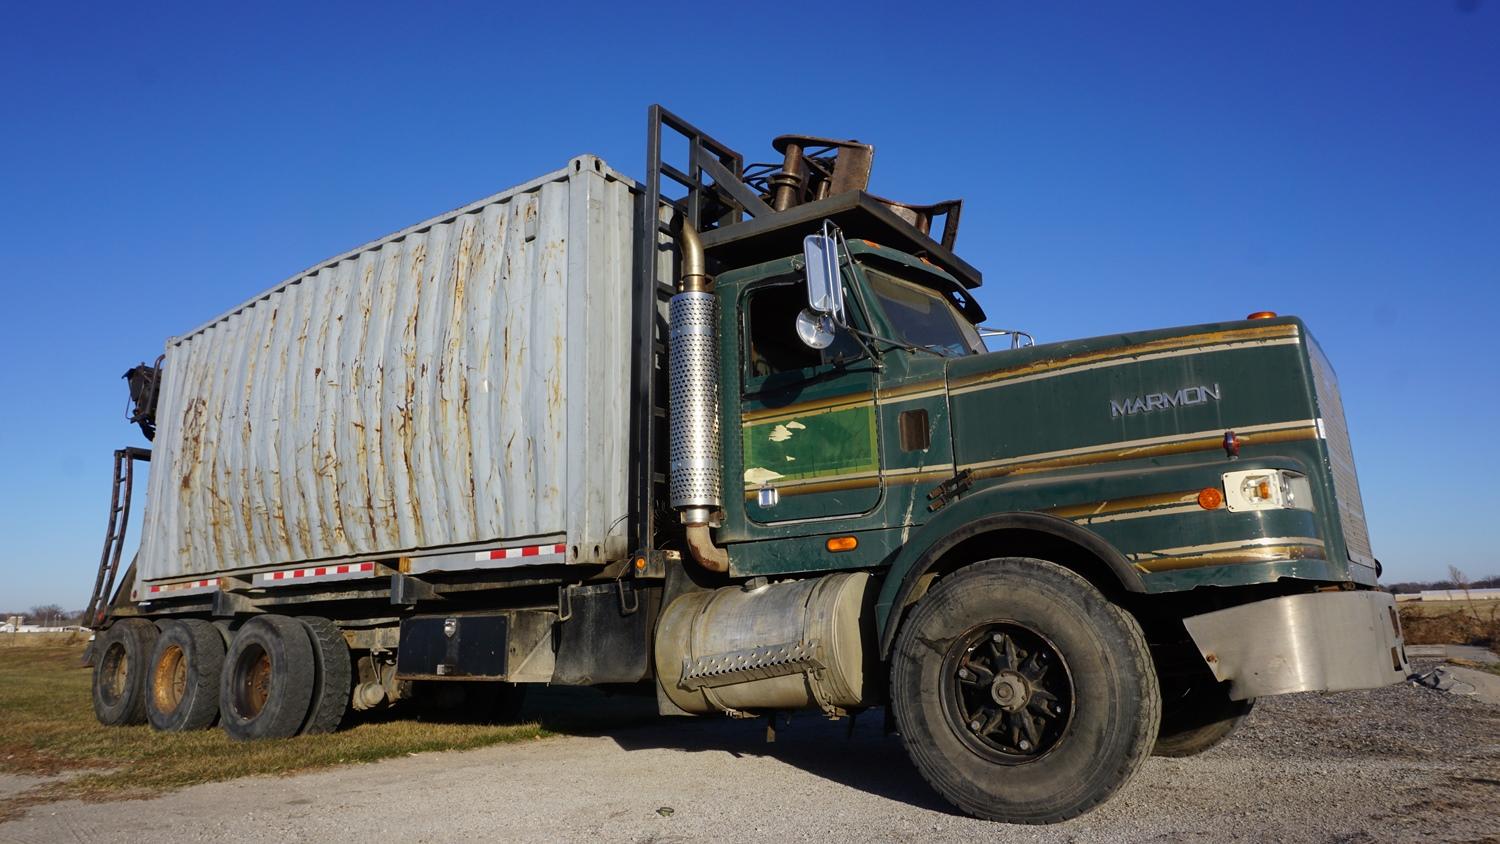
(948, 491)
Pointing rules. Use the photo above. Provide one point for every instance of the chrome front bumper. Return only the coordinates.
(1328, 641)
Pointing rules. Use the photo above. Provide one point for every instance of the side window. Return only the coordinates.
(771, 331)
(771, 342)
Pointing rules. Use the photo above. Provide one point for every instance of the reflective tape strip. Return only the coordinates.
(495, 558)
(189, 587)
(523, 551)
(289, 577)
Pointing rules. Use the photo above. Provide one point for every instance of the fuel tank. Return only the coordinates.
(777, 646)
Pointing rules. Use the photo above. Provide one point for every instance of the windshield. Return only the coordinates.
(922, 316)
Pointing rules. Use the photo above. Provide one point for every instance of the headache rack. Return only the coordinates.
(745, 214)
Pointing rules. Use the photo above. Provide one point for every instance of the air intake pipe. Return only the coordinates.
(693, 372)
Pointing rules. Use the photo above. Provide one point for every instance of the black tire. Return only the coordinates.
(333, 686)
(182, 688)
(1198, 719)
(1069, 710)
(122, 655)
(266, 688)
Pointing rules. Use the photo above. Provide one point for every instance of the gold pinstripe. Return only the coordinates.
(1149, 447)
(1286, 549)
(1168, 347)
(972, 386)
(1186, 344)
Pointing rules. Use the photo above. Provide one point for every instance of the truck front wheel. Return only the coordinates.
(1198, 719)
(1021, 693)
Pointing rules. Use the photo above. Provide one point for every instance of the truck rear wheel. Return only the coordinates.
(333, 684)
(182, 691)
(123, 654)
(1021, 693)
(266, 688)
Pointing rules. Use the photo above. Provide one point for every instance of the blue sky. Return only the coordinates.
(1124, 166)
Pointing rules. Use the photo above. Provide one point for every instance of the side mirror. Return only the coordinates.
(815, 330)
(825, 288)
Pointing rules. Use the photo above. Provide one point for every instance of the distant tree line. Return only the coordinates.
(46, 615)
(1456, 580)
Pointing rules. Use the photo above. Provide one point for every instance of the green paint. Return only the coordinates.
(813, 445)
(1010, 409)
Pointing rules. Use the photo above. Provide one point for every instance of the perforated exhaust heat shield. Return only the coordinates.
(694, 373)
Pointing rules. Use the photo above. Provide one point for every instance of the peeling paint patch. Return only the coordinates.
(760, 475)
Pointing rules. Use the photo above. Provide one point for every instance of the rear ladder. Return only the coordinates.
(114, 534)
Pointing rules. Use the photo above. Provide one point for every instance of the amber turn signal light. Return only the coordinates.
(1262, 315)
(1210, 498)
(842, 543)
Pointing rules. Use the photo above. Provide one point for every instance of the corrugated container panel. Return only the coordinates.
(461, 382)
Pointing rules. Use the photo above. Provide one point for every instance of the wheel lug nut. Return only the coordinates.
(963, 673)
(1024, 745)
(975, 725)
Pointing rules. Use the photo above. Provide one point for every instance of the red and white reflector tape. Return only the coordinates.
(495, 558)
(523, 551)
(288, 577)
(186, 587)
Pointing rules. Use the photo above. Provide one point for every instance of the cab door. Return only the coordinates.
(809, 428)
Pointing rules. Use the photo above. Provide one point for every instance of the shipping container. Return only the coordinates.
(461, 382)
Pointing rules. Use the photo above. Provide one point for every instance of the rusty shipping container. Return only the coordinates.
(459, 384)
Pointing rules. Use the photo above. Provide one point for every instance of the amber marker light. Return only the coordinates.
(1262, 315)
(842, 543)
(1210, 498)
(640, 563)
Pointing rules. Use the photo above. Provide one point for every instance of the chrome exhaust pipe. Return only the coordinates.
(693, 375)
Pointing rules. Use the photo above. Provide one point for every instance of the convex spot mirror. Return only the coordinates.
(815, 330)
(825, 292)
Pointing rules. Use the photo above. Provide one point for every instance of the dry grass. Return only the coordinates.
(1451, 622)
(42, 640)
(47, 727)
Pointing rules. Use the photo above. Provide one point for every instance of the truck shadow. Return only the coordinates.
(864, 758)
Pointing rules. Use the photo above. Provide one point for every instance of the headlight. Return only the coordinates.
(1266, 489)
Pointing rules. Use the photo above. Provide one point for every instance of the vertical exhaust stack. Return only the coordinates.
(693, 370)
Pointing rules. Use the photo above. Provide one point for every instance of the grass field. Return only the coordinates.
(47, 727)
(1451, 622)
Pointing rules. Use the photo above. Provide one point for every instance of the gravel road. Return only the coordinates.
(1391, 764)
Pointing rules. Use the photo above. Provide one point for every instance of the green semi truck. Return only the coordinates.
(735, 436)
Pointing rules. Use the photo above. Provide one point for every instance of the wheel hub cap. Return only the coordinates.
(1011, 691)
(1008, 692)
